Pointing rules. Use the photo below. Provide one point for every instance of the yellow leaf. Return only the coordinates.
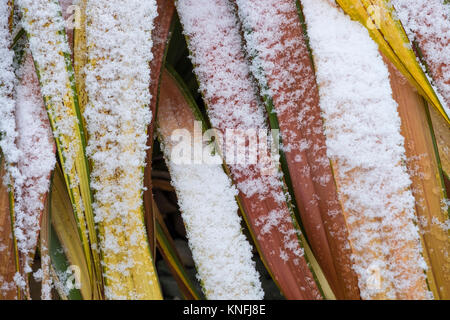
(65, 226)
(378, 17)
(442, 135)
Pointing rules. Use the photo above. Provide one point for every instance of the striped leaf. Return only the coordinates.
(427, 24)
(442, 135)
(44, 250)
(37, 148)
(80, 56)
(80, 63)
(9, 155)
(61, 275)
(365, 147)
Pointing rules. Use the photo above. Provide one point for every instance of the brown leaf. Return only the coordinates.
(160, 37)
(7, 256)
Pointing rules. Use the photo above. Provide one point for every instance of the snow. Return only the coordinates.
(8, 133)
(26, 144)
(362, 127)
(265, 42)
(222, 254)
(36, 145)
(428, 23)
(44, 24)
(117, 116)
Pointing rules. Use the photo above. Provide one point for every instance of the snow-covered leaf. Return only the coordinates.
(222, 254)
(387, 31)
(45, 29)
(427, 181)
